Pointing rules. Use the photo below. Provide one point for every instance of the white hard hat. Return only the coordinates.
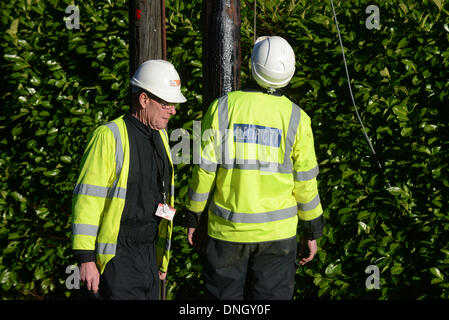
(272, 62)
(159, 77)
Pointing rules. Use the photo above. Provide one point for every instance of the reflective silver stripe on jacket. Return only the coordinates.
(119, 157)
(262, 217)
(106, 248)
(306, 175)
(99, 191)
(168, 244)
(195, 196)
(211, 167)
(309, 205)
(251, 164)
(84, 229)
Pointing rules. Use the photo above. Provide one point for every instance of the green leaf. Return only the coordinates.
(51, 173)
(332, 94)
(384, 72)
(396, 269)
(347, 173)
(437, 273)
(362, 226)
(48, 224)
(402, 43)
(82, 101)
(401, 112)
(44, 114)
(66, 159)
(52, 131)
(16, 131)
(40, 132)
(13, 28)
(77, 111)
(35, 81)
(333, 269)
(46, 104)
(407, 131)
(12, 246)
(17, 196)
(81, 49)
(430, 127)
(364, 214)
(438, 4)
(395, 191)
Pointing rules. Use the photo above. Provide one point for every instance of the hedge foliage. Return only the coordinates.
(58, 85)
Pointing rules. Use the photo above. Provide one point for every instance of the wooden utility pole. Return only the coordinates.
(147, 41)
(221, 48)
(221, 65)
(147, 32)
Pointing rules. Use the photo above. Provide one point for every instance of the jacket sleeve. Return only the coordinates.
(165, 229)
(97, 171)
(163, 244)
(305, 171)
(203, 176)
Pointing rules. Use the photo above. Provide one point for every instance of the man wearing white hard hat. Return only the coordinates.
(259, 179)
(123, 203)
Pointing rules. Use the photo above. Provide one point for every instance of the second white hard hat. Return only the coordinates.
(272, 62)
(159, 77)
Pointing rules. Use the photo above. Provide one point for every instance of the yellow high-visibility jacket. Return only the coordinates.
(100, 193)
(258, 168)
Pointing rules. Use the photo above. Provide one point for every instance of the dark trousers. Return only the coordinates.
(132, 274)
(260, 271)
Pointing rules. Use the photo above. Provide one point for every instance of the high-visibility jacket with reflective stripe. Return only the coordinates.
(100, 193)
(258, 168)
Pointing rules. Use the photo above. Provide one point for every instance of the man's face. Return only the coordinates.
(157, 112)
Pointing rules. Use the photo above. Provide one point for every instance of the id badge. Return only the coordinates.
(165, 211)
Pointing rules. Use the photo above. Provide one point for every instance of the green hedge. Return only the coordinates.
(59, 84)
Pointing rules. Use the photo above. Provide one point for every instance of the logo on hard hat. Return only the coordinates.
(175, 83)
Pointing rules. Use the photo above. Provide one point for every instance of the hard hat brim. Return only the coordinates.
(172, 97)
(179, 98)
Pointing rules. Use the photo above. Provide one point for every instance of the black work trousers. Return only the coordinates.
(132, 274)
(259, 271)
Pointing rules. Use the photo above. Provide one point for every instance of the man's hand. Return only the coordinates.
(190, 233)
(90, 276)
(312, 248)
(162, 275)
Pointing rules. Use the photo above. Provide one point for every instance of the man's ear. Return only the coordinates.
(143, 100)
